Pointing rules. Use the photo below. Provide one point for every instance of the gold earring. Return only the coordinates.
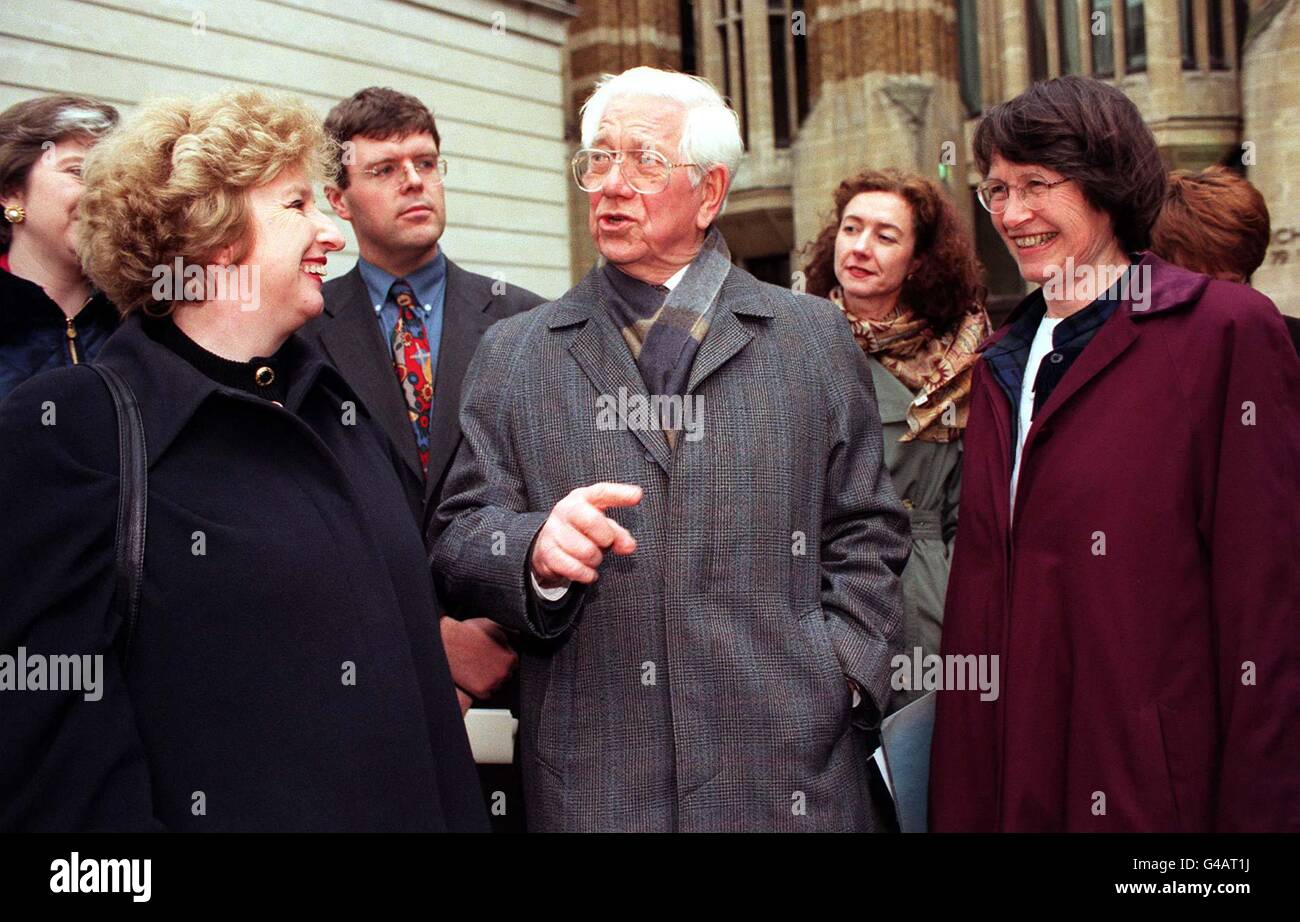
(15, 215)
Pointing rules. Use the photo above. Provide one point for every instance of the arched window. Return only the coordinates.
(1036, 20)
(968, 37)
(1101, 29)
(1067, 35)
(731, 37)
(1135, 36)
(788, 52)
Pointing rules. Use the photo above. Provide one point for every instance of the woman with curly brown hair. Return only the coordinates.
(900, 265)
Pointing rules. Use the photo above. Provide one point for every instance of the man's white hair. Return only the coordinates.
(710, 129)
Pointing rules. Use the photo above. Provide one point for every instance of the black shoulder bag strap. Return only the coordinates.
(132, 506)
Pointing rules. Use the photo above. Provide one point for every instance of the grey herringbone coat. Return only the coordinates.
(699, 684)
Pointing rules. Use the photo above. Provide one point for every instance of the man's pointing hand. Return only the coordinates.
(577, 533)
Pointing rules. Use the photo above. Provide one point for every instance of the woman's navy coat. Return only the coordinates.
(287, 671)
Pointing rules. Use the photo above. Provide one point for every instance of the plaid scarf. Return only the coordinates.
(665, 333)
(938, 369)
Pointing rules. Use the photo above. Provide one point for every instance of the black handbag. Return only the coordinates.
(132, 507)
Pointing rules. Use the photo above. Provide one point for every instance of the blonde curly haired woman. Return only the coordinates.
(281, 667)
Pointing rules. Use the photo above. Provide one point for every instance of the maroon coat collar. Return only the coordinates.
(1170, 288)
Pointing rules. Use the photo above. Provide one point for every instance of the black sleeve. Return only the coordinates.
(72, 758)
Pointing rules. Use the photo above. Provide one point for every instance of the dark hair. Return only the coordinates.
(1090, 132)
(946, 285)
(1213, 222)
(25, 128)
(381, 113)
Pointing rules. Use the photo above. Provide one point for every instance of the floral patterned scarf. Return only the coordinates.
(937, 369)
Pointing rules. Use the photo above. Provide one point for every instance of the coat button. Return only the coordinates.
(1057, 358)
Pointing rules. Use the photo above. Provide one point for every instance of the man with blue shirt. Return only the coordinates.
(403, 325)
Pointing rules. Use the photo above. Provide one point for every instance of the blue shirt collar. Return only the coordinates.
(426, 281)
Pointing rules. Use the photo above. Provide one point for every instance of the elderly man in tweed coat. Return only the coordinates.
(671, 485)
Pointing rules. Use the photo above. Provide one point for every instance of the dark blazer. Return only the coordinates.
(700, 683)
(350, 336)
(236, 684)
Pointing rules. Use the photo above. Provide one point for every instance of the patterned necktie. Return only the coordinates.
(411, 361)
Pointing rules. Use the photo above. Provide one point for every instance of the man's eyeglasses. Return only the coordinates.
(646, 171)
(430, 169)
(995, 194)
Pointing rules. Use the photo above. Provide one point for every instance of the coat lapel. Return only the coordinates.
(893, 399)
(1001, 414)
(604, 357)
(985, 387)
(355, 345)
(1167, 287)
(1110, 342)
(463, 325)
(728, 334)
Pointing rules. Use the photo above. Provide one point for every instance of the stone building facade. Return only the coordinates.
(828, 87)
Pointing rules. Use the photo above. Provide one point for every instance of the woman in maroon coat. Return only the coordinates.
(1126, 559)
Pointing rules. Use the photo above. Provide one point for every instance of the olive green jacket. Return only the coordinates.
(927, 478)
